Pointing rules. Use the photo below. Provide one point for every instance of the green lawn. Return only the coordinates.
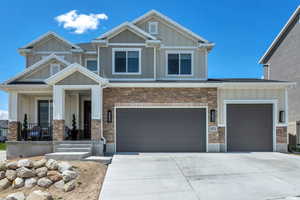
(2, 146)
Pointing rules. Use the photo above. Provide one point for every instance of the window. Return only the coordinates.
(54, 68)
(126, 61)
(92, 65)
(179, 63)
(153, 28)
(45, 113)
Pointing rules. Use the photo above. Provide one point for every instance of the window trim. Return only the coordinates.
(126, 50)
(93, 59)
(180, 52)
(51, 68)
(149, 25)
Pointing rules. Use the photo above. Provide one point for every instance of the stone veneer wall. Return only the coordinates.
(13, 130)
(281, 135)
(58, 130)
(157, 96)
(96, 129)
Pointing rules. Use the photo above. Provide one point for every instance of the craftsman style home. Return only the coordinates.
(140, 87)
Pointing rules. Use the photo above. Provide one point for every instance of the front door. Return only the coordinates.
(87, 119)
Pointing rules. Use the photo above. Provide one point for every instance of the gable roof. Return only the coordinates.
(37, 65)
(126, 26)
(279, 37)
(182, 28)
(50, 33)
(75, 67)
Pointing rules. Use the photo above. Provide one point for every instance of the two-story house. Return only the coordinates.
(142, 87)
(281, 61)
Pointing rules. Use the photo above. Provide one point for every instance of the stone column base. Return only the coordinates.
(96, 129)
(14, 128)
(58, 130)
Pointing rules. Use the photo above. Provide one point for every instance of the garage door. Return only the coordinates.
(249, 127)
(161, 130)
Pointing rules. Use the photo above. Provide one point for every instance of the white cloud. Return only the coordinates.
(3, 114)
(80, 22)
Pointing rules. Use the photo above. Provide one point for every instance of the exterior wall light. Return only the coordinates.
(212, 115)
(281, 116)
(109, 116)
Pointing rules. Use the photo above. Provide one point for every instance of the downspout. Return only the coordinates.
(102, 136)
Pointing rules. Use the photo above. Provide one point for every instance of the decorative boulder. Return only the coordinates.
(63, 166)
(4, 184)
(69, 175)
(11, 175)
(16, 196)
(44, 182)
(60, 185)
(39, 195)
(70, 186)
(3, 166)
(12, 165)
(25, 163)
(24, 172)
(52, 164)
(18, 183)
(54, 176)
(2, 175)
(41, 172)
(39, 163)
(30, 182)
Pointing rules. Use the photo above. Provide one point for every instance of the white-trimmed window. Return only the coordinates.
(153, 28)
(54, 68)
(179, 63)
(91, 64)
(126, 60)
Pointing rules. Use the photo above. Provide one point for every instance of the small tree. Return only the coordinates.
(25, 127)
(74, 128)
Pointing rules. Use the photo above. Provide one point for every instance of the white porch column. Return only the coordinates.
(13, 107)
(96, 112)
(58, 103)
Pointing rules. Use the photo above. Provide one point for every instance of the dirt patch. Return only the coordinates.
(88, 184)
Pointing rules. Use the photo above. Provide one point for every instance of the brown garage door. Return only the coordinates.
(249, 127)
(161, 130)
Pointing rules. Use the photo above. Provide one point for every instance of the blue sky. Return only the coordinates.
(242, 30)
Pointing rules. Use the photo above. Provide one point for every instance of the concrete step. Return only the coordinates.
(101, 159)
(68, 155)
(73, 149)
(74, 146)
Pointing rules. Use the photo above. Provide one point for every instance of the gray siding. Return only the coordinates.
(285, 65)
(33, 58)
(147, 65)
(77, 78)
(126, 37)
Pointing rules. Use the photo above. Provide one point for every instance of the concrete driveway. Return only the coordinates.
(204, 176)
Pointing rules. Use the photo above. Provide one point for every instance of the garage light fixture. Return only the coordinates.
(212, 115)
(109, 116)
(281, 116)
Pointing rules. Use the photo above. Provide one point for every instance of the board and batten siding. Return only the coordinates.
(249, 94)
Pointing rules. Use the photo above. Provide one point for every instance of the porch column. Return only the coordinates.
(14, 124)
(96, 112)
(58, 113)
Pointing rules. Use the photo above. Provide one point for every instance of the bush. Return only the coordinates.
(2, 146)
(293, 148)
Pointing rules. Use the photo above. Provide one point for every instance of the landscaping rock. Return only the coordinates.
(39, 163)
(2, 175)
(63, 166)
(52, 164)
(69, 175)
(4, 184)
(54, 176)
(44, 182)
(2, 166)
(18, 183)
(25, 163)
(24, 172)
(16, 196)
(12, 165)
(11, 174)
(70, 186)
(41, 172)
(60, 185)
(30, 182)
(39, 195)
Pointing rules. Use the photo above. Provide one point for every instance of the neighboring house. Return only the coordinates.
(143, 87)
(281, 61)
(3, 128)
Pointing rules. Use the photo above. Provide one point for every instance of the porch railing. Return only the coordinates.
(36, 132)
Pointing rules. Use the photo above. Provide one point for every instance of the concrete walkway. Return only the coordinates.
(2, 155)
(205, 176)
